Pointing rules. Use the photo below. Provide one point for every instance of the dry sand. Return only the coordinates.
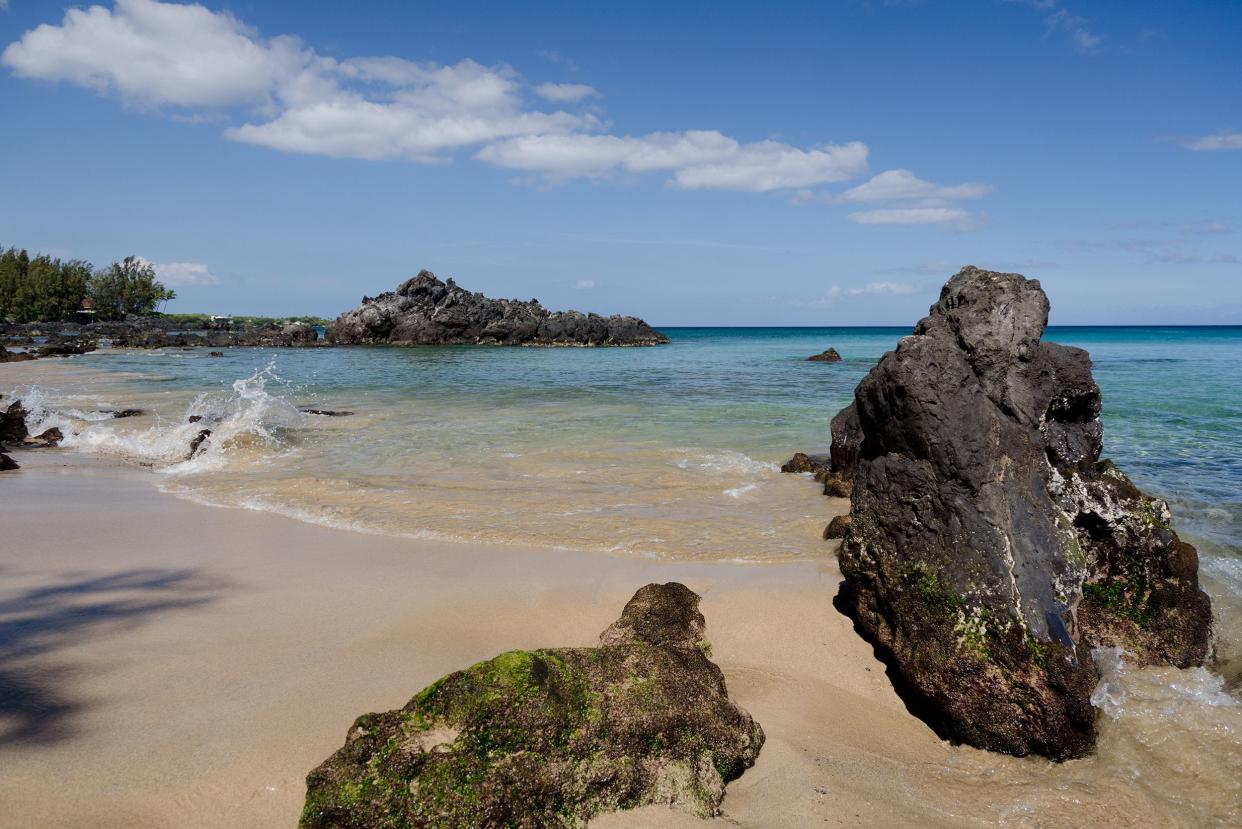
(166, 664)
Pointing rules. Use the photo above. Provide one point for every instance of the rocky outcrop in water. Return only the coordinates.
(829, 356)
(550, 738)
(990, 549)
(426, 311)
(7, 356)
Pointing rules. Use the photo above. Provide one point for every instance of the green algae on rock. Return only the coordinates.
(550, 737)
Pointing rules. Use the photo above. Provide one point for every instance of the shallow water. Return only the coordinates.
(673, 452)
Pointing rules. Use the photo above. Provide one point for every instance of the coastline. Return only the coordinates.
(186, 665)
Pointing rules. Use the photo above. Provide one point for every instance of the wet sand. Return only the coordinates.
(168, 664)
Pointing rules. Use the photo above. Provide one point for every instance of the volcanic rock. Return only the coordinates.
(990, 549)
(7, 463)
(46, 439)
(829, 356)
(426, 311)
(837, 527)
(550, 738)
(13, 423)
(7, 356)
(196, 445)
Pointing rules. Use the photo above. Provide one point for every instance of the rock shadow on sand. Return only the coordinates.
(37, 703)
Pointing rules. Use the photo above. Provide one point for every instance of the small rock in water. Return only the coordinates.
(829, 356)
(7, 463)
(13, 423)
(215, 353)
(802, 462)
(324, 412)
(128, 413)
(551, 738)
(46, 438)
(837, 527)
(197, 443)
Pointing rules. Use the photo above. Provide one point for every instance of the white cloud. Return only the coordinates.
(698, 159)
(913, 216)
(1225, 140)
(178, 274)
(882, 288)
(279, 93)
(901, 185)
(565, 92)
(585, 284)
(156, 53)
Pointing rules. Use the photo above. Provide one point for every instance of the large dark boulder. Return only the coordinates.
(989, 548)
(550, 738)
(426, 311)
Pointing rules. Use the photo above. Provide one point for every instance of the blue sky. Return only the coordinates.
(709, 163)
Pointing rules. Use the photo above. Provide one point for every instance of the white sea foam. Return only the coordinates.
(248, 416)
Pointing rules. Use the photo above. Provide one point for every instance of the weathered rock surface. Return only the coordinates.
(829, 356)
(837, 527)
(426, 311)
(990, 549)
(7, 356)
(13, 423)
(46, 439)
(550, 738)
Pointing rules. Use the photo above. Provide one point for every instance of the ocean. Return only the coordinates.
(674, 453)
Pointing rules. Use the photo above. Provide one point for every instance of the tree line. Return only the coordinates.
(47, 289)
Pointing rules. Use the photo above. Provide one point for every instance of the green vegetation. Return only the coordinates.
(1125, 597)
(45, 289)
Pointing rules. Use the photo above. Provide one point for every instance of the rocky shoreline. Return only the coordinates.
(427, 311)
(63, 339)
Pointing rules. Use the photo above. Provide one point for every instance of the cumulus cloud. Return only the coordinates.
(697, 159)
(201, 66)
(154, 53)
(913, 216)
(585, 284)
(1224, 140)
(902, 185)
(566, 93)
(178, 274)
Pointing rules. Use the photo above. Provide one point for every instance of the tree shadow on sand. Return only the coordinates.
(36, 705)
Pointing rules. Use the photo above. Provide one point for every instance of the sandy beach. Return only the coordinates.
(171, 664)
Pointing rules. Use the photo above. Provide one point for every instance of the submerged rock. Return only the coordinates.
(47, 438)
(550, 738)
(426, 311)
(989, 548)
(829, 356)
(196, 445)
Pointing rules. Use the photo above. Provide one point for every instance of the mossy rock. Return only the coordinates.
(551, 737)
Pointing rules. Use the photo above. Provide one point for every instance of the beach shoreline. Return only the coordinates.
(174, 664)
(167, 662)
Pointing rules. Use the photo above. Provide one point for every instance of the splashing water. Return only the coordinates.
(249, 419)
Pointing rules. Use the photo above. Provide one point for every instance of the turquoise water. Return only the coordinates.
(637, 435)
